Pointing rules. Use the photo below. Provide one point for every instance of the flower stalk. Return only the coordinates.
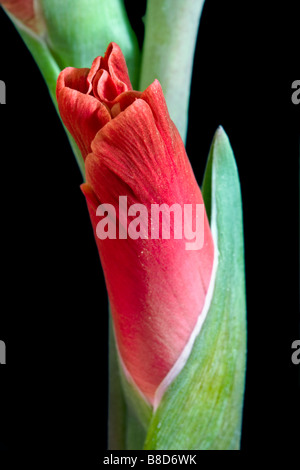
(171, 28)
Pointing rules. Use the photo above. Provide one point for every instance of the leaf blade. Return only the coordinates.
(209, 390)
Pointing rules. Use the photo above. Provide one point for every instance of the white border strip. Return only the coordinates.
(181, 361)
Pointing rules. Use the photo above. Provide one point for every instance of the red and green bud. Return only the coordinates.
(157, 288)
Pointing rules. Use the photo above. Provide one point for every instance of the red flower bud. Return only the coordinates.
(26, 13)
(156, 287)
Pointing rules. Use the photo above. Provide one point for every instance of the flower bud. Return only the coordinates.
(134, 160)
(27, 14)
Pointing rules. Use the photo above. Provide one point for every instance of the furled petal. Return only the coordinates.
(82, 114)
(115, 64)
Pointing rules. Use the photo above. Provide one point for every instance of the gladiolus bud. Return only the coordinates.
(27, 13)
(133, 153)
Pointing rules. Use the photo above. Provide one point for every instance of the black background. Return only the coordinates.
(54, 305)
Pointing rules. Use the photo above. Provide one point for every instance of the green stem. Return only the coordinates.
(80, 30)
(44, 60)
(49, 70)
(171, 28)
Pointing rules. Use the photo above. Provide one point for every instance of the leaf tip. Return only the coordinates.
(220, 133)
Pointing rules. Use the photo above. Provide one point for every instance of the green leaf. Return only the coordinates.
(171, 28)
(202, 408)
